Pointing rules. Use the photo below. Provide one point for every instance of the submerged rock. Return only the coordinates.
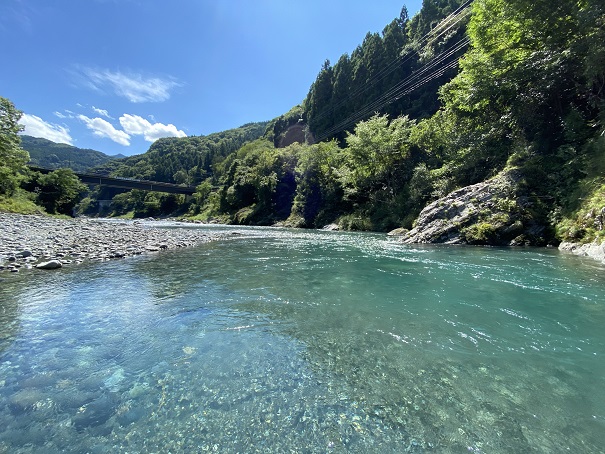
(94, 413)
(493, 212)
(113, 382)
(24, 400)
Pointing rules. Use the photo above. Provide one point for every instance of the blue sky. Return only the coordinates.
(115, 75)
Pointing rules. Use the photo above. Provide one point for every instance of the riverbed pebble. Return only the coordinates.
(38, 240)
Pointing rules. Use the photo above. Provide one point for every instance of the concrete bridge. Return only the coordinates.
(127, 183)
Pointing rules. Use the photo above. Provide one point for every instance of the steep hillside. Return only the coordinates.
(527, 100)
(396, 72)
(51, 155)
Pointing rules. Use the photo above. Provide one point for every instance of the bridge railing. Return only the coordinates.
(127, 183)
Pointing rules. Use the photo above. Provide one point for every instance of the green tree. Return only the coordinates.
(318, 198)
(318, 100)
(59, 191)
(375, 152)
(202, 191)
(12, 157)
(182, 177)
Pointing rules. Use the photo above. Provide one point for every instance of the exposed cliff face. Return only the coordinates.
(494, 212)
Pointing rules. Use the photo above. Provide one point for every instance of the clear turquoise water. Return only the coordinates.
(294, 341)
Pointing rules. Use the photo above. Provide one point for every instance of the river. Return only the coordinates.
(279, 340)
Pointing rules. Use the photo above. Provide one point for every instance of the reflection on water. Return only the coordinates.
(291, 341)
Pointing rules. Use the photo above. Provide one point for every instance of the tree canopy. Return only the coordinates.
(12, 157)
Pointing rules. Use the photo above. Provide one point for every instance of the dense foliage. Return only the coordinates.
(393, 72)
(50, 155)
(58, 191)
(12, 156)
(529, 94)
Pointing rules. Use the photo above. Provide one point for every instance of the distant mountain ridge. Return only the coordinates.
(184, 160)
(52, 155)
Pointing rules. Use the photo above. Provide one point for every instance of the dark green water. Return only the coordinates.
(293, 341)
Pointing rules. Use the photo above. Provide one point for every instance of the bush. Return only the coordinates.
(480, 233)
(355, 221)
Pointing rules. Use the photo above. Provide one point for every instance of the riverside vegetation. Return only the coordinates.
(497, 138)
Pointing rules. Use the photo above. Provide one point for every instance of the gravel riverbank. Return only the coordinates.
(28, 242)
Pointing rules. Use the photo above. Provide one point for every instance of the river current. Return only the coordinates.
(277, 340)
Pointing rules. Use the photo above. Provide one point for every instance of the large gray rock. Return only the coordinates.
(398, 232)
(492, 212)
(50, 265)
(331, 227)
(594, 250)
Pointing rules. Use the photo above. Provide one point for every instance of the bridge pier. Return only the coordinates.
(103, 204)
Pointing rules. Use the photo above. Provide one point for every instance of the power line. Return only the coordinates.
(406, 86)
(458, 14)
(379, 105)
(435, 33)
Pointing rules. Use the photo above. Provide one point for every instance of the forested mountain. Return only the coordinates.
(398, 71)
(51, 155)
(187, 160)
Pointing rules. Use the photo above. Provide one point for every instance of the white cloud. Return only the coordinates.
(67, 114)
(36, 127)
(136, 125)
(102, 128)
(134, 87)
(101, 112)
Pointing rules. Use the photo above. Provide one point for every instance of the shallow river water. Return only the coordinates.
(294, 341)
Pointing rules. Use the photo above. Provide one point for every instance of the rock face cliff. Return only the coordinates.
(494, 212)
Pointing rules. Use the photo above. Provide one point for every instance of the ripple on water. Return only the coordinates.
(281, 340)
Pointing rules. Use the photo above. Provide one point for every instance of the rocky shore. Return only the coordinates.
(594, 250)
(493, 212)
(41, 242)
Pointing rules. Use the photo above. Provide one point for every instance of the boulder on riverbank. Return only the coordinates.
(595, 250)
(398, 232)
(50, 265)
(493, 212)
